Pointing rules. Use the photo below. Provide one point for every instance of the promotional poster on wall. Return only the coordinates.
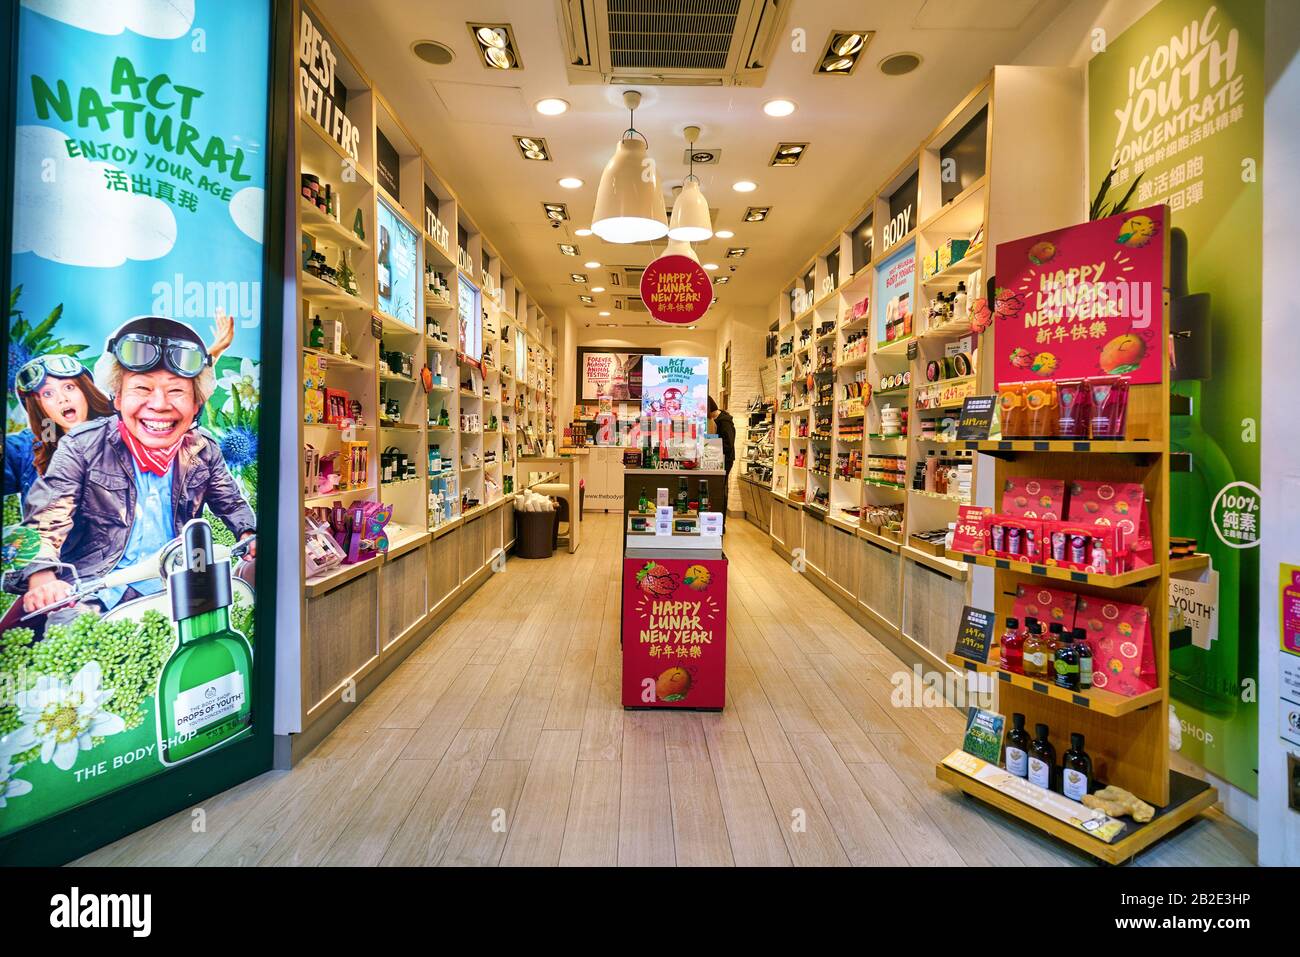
(1176, 112)
(134, 397)
(895, 285)
(397, 266)
(616, 376)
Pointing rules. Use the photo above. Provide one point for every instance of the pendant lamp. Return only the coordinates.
(691, 221)
(629, 204)
(680, 247)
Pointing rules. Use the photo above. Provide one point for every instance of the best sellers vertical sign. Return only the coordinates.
(133, 394)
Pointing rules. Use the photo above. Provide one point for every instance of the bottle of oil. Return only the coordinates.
(1035, 651)
(1042, 758)
(1066, 663)
(1076, 770)
(1017, 757)
(1085, 659)
(1013, 654)
(1054, 632)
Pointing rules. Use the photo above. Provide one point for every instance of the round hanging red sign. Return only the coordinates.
(676, 289)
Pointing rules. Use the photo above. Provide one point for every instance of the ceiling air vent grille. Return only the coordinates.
(672, 42)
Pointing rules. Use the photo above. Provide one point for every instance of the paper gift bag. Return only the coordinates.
(1118, 504)
(1048, 605)
(1123, 653)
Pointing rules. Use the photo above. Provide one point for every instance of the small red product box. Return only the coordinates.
(1124, 661)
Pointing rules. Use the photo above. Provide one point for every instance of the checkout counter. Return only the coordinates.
(674, 603)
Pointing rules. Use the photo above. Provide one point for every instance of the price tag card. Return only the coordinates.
(975, 634)
(976, 418)
(969, 536)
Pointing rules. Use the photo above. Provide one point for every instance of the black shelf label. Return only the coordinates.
(976, 417)
(975, 634)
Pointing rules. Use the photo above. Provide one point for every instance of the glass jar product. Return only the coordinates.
(1076, 770)
(1013, 649)
(1017, 750)
(1042, 758)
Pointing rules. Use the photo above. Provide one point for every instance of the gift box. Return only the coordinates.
(1121, 505)
(1034, 498)
(1119, 634)
(1087, 548)
(1014, 537)
(1050, 605)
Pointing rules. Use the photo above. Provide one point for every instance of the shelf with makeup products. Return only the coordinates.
(389, 257)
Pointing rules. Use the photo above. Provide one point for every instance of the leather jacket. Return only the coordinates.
(82, 506)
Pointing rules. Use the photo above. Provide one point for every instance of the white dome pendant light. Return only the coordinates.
(680, 247)
(691, 222)
(629, 205)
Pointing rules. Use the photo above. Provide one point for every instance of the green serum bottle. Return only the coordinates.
(205, 689)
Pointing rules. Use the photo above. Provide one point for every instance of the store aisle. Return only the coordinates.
(501, 740)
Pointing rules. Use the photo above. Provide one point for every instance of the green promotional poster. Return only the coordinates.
(1176, 109)
(132, 418)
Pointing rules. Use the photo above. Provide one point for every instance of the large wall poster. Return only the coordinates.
(396, 266)
(469, 311)
(616, 376)
(1178, 99)
(675, 388)
(132, 420)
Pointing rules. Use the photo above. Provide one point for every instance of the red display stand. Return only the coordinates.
(674, 629)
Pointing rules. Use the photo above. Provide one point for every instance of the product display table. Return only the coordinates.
(565, 486)
(674, 628)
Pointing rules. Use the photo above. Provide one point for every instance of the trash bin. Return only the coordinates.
(535, 534)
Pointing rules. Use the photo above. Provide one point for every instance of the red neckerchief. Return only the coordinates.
(157, 461)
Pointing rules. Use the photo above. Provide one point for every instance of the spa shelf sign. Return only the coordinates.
(1083, 301)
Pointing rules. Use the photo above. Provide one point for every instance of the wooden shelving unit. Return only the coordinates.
(359, 621)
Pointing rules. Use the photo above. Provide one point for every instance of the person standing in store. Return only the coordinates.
(725, 429)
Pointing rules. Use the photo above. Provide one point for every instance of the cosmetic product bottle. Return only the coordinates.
(1035, 652)
(705, 505)
(1085, 658)
(1066, 663)
(1054, 632)
(642, 504)
(1076, 769)
(205, 688)
(1017, 756)
(316, 339)
(1013, 649)
(682, 506)
(931, 470)
(1042, 758)
(959, 302)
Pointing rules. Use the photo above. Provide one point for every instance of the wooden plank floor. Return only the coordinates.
(501, 741)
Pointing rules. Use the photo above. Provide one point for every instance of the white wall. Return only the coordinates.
(745, 329)
(1279, 827)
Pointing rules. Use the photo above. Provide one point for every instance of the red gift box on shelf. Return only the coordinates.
(1123, 657)
(1086, 548)
(1034, 498)
(1048, 605)
(1121, 505)
(1013, 537)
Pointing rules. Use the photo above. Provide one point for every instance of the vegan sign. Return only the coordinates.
(1084, 300)
(676, 289)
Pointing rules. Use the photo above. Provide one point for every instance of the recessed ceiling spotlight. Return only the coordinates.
(592, 265)
(533, 148)
(724, 234)
(896, 64)
(710, 266)
(597, 288)
(556, 212)
(571, 182)
(431, 51)
(842, 51)
(778, 107)
(721, 280)
(788, 154)
(496, 43)
(568, 249)
(604, 312)
(744, 186)
(756, 214)
(551, 106)
(582, 232)
(577, 277)
(587, 300)
(737, 252)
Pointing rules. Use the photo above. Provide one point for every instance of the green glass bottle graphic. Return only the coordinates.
(205, 689)
(1208, 679)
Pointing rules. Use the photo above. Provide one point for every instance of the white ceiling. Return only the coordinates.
(860, 128)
